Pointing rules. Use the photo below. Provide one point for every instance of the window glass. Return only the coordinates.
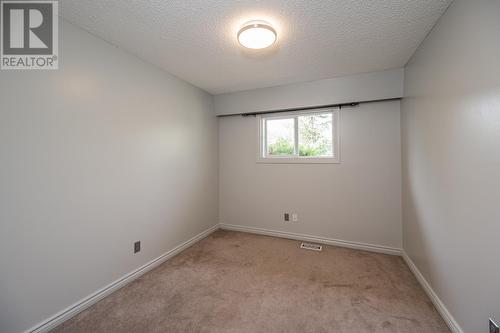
(280, 137)
(300, 137)
(315, 135)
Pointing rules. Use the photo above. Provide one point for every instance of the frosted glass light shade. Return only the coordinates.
(257, 35)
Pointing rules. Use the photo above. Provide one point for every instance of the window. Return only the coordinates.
(299, 137)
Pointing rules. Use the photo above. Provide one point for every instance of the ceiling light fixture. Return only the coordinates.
(257, 35)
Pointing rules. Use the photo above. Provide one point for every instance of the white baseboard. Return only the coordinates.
(316, 239)
(443, 311)
(83, 304)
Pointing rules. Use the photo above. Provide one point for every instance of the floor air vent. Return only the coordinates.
(311, 246)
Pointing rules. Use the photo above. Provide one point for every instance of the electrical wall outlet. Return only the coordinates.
(137, 247)
(295, 217)
(286, 217)
(494, 328)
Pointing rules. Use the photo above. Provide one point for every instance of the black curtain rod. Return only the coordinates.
(339, 105)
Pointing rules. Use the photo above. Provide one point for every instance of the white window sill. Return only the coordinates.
(298, 160)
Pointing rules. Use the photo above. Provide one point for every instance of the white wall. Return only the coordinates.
(358, 200)
(451, 161)
(345, 89)
(106, 151)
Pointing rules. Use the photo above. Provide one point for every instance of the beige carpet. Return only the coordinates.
(238, 282)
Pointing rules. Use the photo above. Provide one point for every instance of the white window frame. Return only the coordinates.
(262, 141)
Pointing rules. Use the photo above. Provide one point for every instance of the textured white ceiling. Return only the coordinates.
(196, 39)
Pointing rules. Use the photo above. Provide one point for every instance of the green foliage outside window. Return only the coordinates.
(285, 147)
(312, 140)
(282, 146)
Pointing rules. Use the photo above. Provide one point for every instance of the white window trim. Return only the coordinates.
(261, 139)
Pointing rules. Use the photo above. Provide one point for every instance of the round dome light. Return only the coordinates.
(257, 35)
